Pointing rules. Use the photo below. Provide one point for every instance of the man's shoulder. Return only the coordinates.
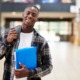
(40, 37)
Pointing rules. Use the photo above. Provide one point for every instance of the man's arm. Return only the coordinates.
(46, 67)
(7, 41)
(1, 55)
(4, 45)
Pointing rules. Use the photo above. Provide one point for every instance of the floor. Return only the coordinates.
(65, 59)
(66, 62)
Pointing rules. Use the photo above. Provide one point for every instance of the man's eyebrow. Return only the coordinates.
(31, 12)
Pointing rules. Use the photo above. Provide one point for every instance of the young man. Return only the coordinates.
(25, 36)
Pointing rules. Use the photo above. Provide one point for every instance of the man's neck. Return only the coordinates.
(26, 29)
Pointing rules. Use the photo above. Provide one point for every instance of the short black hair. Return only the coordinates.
(34, 7)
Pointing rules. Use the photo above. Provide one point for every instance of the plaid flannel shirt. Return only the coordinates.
(44, 65)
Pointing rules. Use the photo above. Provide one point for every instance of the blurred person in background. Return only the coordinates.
(25, 36)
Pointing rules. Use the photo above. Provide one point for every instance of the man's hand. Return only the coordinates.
(11, 35)
(23, 72)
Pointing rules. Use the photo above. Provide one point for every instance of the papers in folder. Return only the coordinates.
(27, 56)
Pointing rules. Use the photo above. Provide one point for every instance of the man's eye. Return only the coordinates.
(28, 13)
(34, 15)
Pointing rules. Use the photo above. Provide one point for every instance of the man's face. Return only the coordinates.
(30, 16)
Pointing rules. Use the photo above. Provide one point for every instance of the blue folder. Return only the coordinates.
(26, 56)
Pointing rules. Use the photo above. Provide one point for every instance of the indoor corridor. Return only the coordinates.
(65, 59)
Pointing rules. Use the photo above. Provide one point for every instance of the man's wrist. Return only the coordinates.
(28, 74)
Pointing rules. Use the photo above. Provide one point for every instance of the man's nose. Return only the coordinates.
(30, 15)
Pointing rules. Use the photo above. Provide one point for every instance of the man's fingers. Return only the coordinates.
(17, 73)
(12, 32)
(11, 37)
(17, 70)
(14, 36)
(23, 66)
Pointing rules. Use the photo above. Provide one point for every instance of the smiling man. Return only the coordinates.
(25, 36)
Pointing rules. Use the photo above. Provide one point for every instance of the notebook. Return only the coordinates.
(26, 56)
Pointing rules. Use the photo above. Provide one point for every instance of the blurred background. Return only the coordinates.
(59, 23)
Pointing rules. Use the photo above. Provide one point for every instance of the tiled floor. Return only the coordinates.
(66, 62)
(65, 59)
